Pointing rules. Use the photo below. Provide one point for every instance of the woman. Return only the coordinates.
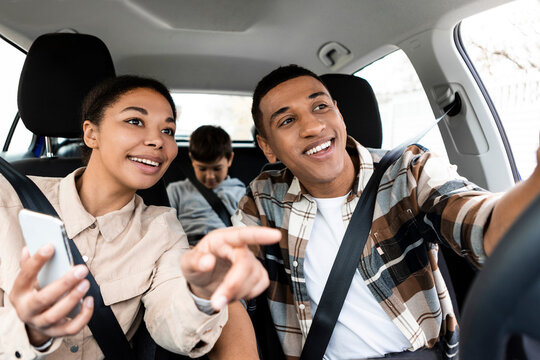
(133, 250)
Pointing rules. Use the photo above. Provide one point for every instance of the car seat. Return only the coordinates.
(358, 106)
(59, 70)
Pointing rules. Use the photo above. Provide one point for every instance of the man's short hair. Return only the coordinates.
(209, 144)
(270, 81)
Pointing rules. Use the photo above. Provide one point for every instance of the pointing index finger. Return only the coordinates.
(249, 235)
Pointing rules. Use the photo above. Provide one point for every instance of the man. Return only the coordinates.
(398, 300)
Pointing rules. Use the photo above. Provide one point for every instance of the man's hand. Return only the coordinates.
(44, 311)
(221, 266)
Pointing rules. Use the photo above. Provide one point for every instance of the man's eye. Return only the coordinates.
(286, 121)
(137, 122)
(320, 107)
(169, 132)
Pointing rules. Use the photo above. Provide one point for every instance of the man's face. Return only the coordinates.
(304, 129)
(211, 174)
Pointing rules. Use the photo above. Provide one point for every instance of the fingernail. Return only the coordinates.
(46, 250)
(89, 302)
(83, 286)
(80, 272)
(218, 302)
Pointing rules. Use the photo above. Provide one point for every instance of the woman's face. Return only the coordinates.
(134, 144)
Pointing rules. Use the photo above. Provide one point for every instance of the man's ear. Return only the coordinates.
(90, 134)
(267, 150)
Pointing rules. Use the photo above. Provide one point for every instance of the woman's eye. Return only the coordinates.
(320, 107)
(137, 122)
(169, 132)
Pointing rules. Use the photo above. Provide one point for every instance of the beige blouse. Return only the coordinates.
(134, 256)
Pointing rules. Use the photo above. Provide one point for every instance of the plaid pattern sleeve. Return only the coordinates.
(421, 203)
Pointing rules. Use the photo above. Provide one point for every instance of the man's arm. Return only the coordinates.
(510, 206)
(237, 340)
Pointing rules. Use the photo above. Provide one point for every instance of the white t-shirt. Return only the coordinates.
(363, 329)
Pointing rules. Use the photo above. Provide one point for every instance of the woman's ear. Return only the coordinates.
(90, 134)
(267, 150)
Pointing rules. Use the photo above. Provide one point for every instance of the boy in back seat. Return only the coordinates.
(210, 151)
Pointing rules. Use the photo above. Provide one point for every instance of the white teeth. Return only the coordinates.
(318, 148)
(144, 161)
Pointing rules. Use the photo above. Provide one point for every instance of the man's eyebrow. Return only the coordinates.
(279, 112)
(317, 94)
(136, 108)
(286, 108)
(170, 120)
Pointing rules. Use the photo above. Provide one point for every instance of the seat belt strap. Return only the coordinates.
(213, 200)
(349, 255)
(103, 324)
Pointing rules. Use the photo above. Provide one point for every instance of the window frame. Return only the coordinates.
(491, 106)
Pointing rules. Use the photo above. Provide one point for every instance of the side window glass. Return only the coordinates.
(10, 71)
(403, 104)
(504, 45)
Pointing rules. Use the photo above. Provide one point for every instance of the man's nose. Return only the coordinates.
(311, 125)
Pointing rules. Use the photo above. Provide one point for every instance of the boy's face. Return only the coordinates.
(213, 173)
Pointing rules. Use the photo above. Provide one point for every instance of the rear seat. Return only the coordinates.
(247, 164)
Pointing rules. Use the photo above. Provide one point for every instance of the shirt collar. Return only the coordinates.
(113, 224)
(76, 218)
(361, 156)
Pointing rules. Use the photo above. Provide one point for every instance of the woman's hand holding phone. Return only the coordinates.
(45, 311)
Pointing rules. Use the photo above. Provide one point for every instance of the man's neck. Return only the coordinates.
(339, 186)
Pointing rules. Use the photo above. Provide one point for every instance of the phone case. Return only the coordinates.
(40, 229)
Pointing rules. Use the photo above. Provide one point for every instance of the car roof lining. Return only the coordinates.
(232, 48)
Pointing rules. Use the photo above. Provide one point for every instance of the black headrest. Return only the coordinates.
(358, 105)
(58, 72)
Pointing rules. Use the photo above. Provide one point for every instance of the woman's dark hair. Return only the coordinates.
(210, 143)
(270, 81)
(106, 93)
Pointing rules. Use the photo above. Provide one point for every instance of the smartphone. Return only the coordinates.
(39, 230)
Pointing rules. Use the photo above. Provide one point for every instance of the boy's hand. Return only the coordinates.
(221, 266)
(44, 310)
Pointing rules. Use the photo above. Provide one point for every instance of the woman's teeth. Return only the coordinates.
(144, 161)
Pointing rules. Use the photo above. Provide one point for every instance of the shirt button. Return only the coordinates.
(93, 226)
(301, 306)
(85, 258)
(74, 349)
(295, 263)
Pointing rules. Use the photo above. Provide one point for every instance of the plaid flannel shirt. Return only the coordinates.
(421, 202)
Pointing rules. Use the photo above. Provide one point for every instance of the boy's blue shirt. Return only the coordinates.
(194, 212)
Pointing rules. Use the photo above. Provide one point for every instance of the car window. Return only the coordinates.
(10, 71)
(231, 112)
(403, 104)
(504, 45)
